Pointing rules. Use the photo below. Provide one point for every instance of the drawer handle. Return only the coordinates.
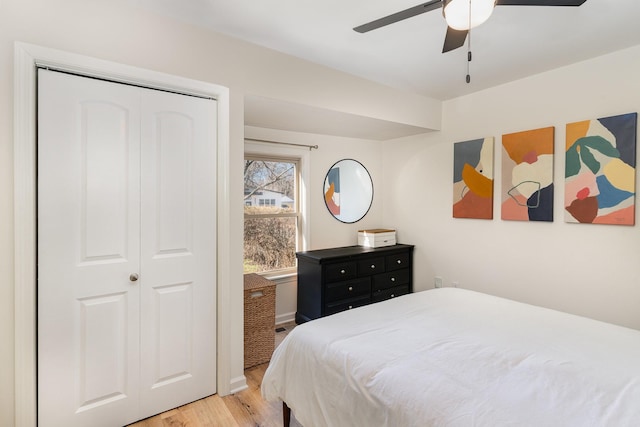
(350, 288)
(342, 271)
(399, 261)
(393, 279)
(373, 266)
(257, 294)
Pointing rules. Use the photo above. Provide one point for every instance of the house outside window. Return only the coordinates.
(272, 214)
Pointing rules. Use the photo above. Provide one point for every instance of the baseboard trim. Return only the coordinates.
(285, 318)
(238, 384)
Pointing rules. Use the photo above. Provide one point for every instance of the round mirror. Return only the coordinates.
(348, 190)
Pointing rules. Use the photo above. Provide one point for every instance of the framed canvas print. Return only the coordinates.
(600, 166)
(527, 175)
(473, 179)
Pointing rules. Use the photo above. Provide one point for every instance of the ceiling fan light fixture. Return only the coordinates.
(456, 13)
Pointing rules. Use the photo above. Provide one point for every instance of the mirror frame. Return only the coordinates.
(324, 185)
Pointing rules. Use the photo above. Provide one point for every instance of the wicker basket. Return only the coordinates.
(259, 319)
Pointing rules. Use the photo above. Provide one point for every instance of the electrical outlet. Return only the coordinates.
(437, 281)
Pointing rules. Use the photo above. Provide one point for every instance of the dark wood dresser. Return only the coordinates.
(338, 279)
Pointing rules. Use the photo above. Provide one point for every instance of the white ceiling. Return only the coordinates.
(516, 41)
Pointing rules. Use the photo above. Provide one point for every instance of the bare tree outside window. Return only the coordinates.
(270, 214)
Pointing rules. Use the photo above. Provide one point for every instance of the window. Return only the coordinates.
(271, 214)
(266, 202)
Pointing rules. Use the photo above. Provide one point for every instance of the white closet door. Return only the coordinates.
(178, 250)
(88, 245)
(126, 186)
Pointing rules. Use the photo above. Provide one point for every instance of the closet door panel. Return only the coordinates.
(178, 249)
(104, 161)
(172, 350)
(88, 245)
(173, 144)
(103, 349)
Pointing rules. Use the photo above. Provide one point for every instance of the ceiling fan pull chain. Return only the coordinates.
(469, 47)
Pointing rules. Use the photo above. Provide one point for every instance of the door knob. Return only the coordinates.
(133, 277)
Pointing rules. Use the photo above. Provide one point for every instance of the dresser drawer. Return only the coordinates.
(369, 266)
(397, 261)
(348, 289)
(385, 294)
(391, 279)
(340, 271)
(347, 304)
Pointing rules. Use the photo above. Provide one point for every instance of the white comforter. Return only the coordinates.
(453, 357)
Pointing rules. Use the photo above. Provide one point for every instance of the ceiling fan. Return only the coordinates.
(461, 15)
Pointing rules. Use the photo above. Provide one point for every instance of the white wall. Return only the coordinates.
(591, 270)
(112, 31)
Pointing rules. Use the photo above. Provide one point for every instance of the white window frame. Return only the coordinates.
(271, 151)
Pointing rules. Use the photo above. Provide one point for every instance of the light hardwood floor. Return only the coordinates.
(243, 409)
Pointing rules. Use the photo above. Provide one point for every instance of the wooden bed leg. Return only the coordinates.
(286, 414)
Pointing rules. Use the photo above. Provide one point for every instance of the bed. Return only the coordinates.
(454, 357)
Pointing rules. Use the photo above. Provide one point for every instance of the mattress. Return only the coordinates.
(454, 357)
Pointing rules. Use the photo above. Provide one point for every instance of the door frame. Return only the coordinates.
(27, 58)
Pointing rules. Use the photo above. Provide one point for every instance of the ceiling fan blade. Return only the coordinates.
(399, 16)
(540, 2)
(454, 39)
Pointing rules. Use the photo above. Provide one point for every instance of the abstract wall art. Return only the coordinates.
(527, 175)
(473, 179)
(600, 164)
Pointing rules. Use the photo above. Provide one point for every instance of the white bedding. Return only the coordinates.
(453, 357)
